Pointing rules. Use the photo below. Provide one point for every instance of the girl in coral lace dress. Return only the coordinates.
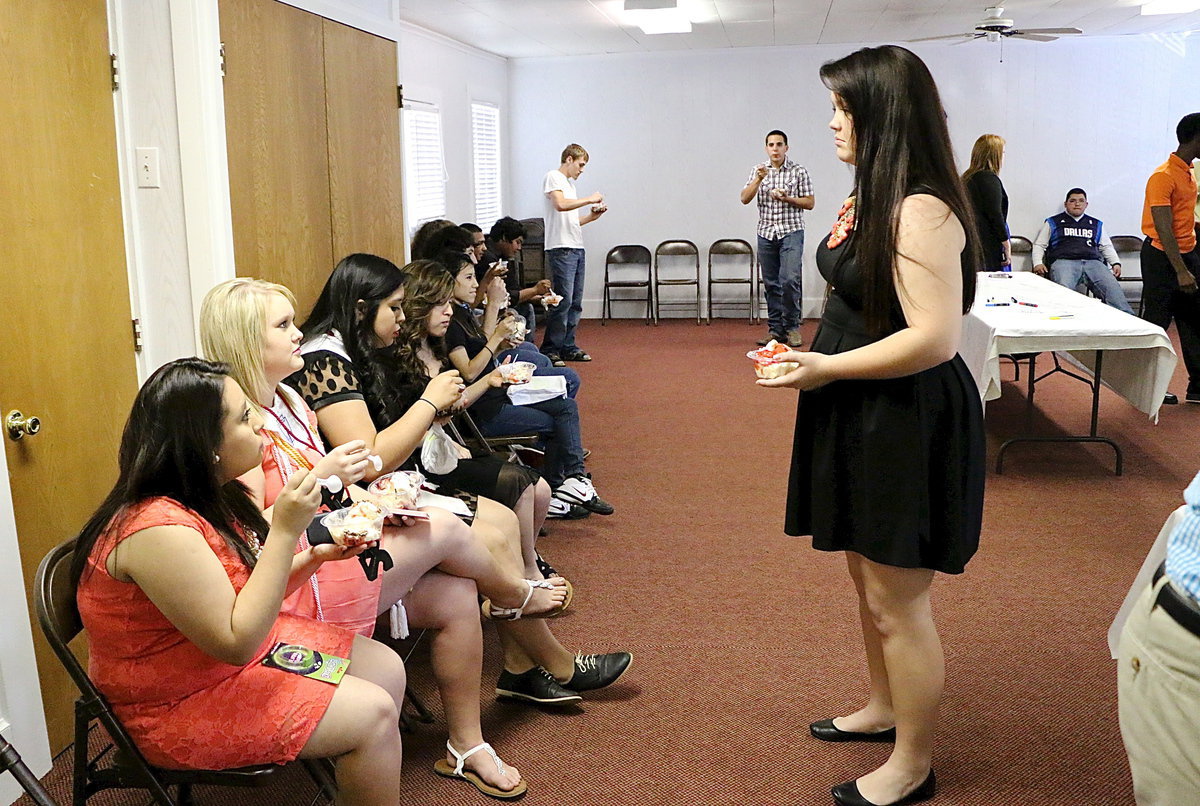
(181, 579)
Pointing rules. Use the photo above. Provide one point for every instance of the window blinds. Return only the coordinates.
(424, 166)
(485, 147)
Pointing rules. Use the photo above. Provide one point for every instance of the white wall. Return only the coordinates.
(450, 75)
(21, 718)
(155, 241)
(673, 136)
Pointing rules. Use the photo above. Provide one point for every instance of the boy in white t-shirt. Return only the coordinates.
(564, 253)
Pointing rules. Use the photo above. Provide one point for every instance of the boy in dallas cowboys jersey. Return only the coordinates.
(1076, 250)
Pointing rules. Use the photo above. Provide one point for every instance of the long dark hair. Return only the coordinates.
(455, 262)
(369, 278)
(167, 449)
(901, 145)
(430, 285)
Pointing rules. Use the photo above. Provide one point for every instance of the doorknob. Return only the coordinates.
(19, 426)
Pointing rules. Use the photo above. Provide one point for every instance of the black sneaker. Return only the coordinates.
(597, 671)
(601, 507)
(536, 685)
(1169, 399)
(555, 359)
(565, 510)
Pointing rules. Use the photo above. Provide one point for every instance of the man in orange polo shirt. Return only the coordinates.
(1170, 261)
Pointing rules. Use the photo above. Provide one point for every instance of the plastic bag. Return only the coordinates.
(439, 453)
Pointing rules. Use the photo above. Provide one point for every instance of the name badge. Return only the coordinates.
(307, 662)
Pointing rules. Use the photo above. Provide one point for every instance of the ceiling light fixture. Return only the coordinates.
(1170, 7)
(658, 16)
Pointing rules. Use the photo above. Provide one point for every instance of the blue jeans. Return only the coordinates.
(781, 260)
(1098, 276)
(566, 272)
(557, 423)
(527, 352)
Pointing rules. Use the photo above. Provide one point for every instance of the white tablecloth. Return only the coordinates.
(1138, 360)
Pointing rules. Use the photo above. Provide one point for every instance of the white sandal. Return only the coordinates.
(443, 768)
(492, 611)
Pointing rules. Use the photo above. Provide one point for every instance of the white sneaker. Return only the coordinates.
(576, 490)
(579, 490)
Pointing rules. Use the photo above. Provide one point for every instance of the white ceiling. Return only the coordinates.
(529, 28)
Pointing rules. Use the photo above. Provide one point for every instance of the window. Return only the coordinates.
(485, 146)
(424, 167)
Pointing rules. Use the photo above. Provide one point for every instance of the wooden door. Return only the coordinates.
(363, 120)
(66, 346)
(312, 128)
(277, 145)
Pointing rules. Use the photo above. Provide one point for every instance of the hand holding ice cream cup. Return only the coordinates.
(517, 371)
(359, 525)
(795, 370)
(767, 360)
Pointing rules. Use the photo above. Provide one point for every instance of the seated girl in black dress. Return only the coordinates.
(430, 312)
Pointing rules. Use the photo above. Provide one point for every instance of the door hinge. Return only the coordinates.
(400, 96)
(222, 59)
(114, 70)
(137, 335)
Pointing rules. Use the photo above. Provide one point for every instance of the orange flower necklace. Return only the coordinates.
(844, 226)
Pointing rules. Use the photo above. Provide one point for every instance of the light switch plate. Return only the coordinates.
(147, 167)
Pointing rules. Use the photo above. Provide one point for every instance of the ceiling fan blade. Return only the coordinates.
(1050, 31)
(970, 38)
(966, 37)
(1033, 37)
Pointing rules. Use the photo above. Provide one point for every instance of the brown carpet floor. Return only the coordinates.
(742, 636)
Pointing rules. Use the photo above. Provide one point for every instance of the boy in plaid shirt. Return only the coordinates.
(783, 190)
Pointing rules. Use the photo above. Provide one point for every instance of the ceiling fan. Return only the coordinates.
(995, 27)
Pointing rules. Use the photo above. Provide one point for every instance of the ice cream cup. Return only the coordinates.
(517, 371)
(397, 491)
(361, 523)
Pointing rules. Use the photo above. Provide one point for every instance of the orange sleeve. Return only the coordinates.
(1158, 190)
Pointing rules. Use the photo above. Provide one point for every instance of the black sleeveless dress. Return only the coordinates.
(890, 469)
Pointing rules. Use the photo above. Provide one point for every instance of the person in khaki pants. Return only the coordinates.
(1158, 672)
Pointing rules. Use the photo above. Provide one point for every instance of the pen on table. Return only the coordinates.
(1028, 304)
(1064, 316)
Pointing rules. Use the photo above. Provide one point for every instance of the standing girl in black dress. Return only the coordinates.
(888, 461)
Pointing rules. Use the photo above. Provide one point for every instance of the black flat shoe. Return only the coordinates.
(847, 794)
(826, 731)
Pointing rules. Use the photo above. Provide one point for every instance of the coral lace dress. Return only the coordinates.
(184, 708)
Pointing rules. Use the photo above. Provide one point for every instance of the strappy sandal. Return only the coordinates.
(443, 768)
(497, 613)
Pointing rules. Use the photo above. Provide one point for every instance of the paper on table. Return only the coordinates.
(428, 499)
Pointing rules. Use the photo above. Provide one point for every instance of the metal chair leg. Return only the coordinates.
(10, 761)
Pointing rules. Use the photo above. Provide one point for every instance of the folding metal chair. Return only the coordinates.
(731, 247)
(121, 765)
(675, 248)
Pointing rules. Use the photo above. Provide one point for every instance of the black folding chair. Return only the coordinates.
(10, 761)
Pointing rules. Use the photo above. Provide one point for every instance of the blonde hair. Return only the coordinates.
(986, 155)
(574, 150)
(233, 318)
